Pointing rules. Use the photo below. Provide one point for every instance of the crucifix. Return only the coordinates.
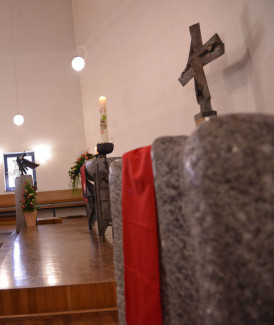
(199, 55)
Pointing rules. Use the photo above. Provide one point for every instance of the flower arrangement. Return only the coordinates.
(29, 197)
(74, 172)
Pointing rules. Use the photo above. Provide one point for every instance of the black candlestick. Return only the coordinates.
(105, 148)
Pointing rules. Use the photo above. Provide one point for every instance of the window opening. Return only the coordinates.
(12, 170)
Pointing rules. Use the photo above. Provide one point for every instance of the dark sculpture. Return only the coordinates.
(199, 56)
(24, 164)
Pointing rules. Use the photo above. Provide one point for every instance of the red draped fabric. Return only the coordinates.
(83, 182)
(140, 239)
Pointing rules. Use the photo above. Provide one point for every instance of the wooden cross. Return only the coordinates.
(199, 56)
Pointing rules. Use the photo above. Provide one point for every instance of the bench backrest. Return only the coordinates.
(57, 196)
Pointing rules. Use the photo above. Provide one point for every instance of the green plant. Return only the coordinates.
(29, 197)
(74, 172)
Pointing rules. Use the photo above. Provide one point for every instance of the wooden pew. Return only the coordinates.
(45, 200)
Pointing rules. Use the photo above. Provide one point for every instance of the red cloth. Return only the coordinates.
(140, 238)
(83, 182)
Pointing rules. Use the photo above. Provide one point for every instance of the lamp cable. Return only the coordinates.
(14, 61)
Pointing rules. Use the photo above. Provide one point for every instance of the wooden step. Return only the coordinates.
(94, 317)
(57, 299)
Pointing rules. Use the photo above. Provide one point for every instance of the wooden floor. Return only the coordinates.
(57, 274)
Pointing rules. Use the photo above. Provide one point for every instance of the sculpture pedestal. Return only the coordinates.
(19, 186)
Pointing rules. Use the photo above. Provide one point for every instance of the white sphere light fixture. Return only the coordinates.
(78, 63)
(18, 119)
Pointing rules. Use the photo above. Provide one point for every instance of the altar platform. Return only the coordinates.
(57, 269)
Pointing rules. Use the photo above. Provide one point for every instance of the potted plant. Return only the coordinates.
(29, 204)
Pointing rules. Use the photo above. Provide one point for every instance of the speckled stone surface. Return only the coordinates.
(178, 283)
(229, 177)
(19, 183)
(115, 187)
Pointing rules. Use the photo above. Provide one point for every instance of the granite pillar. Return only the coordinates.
(178, 281)
(115, 187)
(229, 204)
(19, 186)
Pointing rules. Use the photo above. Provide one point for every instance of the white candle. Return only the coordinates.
(103, 119)
(95, 150)
(102, 102)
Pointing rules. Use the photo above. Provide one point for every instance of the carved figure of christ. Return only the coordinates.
(199, 55)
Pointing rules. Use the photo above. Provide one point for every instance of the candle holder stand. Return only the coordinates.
(101, 185)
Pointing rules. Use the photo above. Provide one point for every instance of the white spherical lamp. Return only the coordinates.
(18, 119)
(78, 63)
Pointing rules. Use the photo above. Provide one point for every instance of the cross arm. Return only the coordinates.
(210, 51)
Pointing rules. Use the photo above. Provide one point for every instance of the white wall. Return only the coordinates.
(136, 53)
(138, 49)
(48, 89)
